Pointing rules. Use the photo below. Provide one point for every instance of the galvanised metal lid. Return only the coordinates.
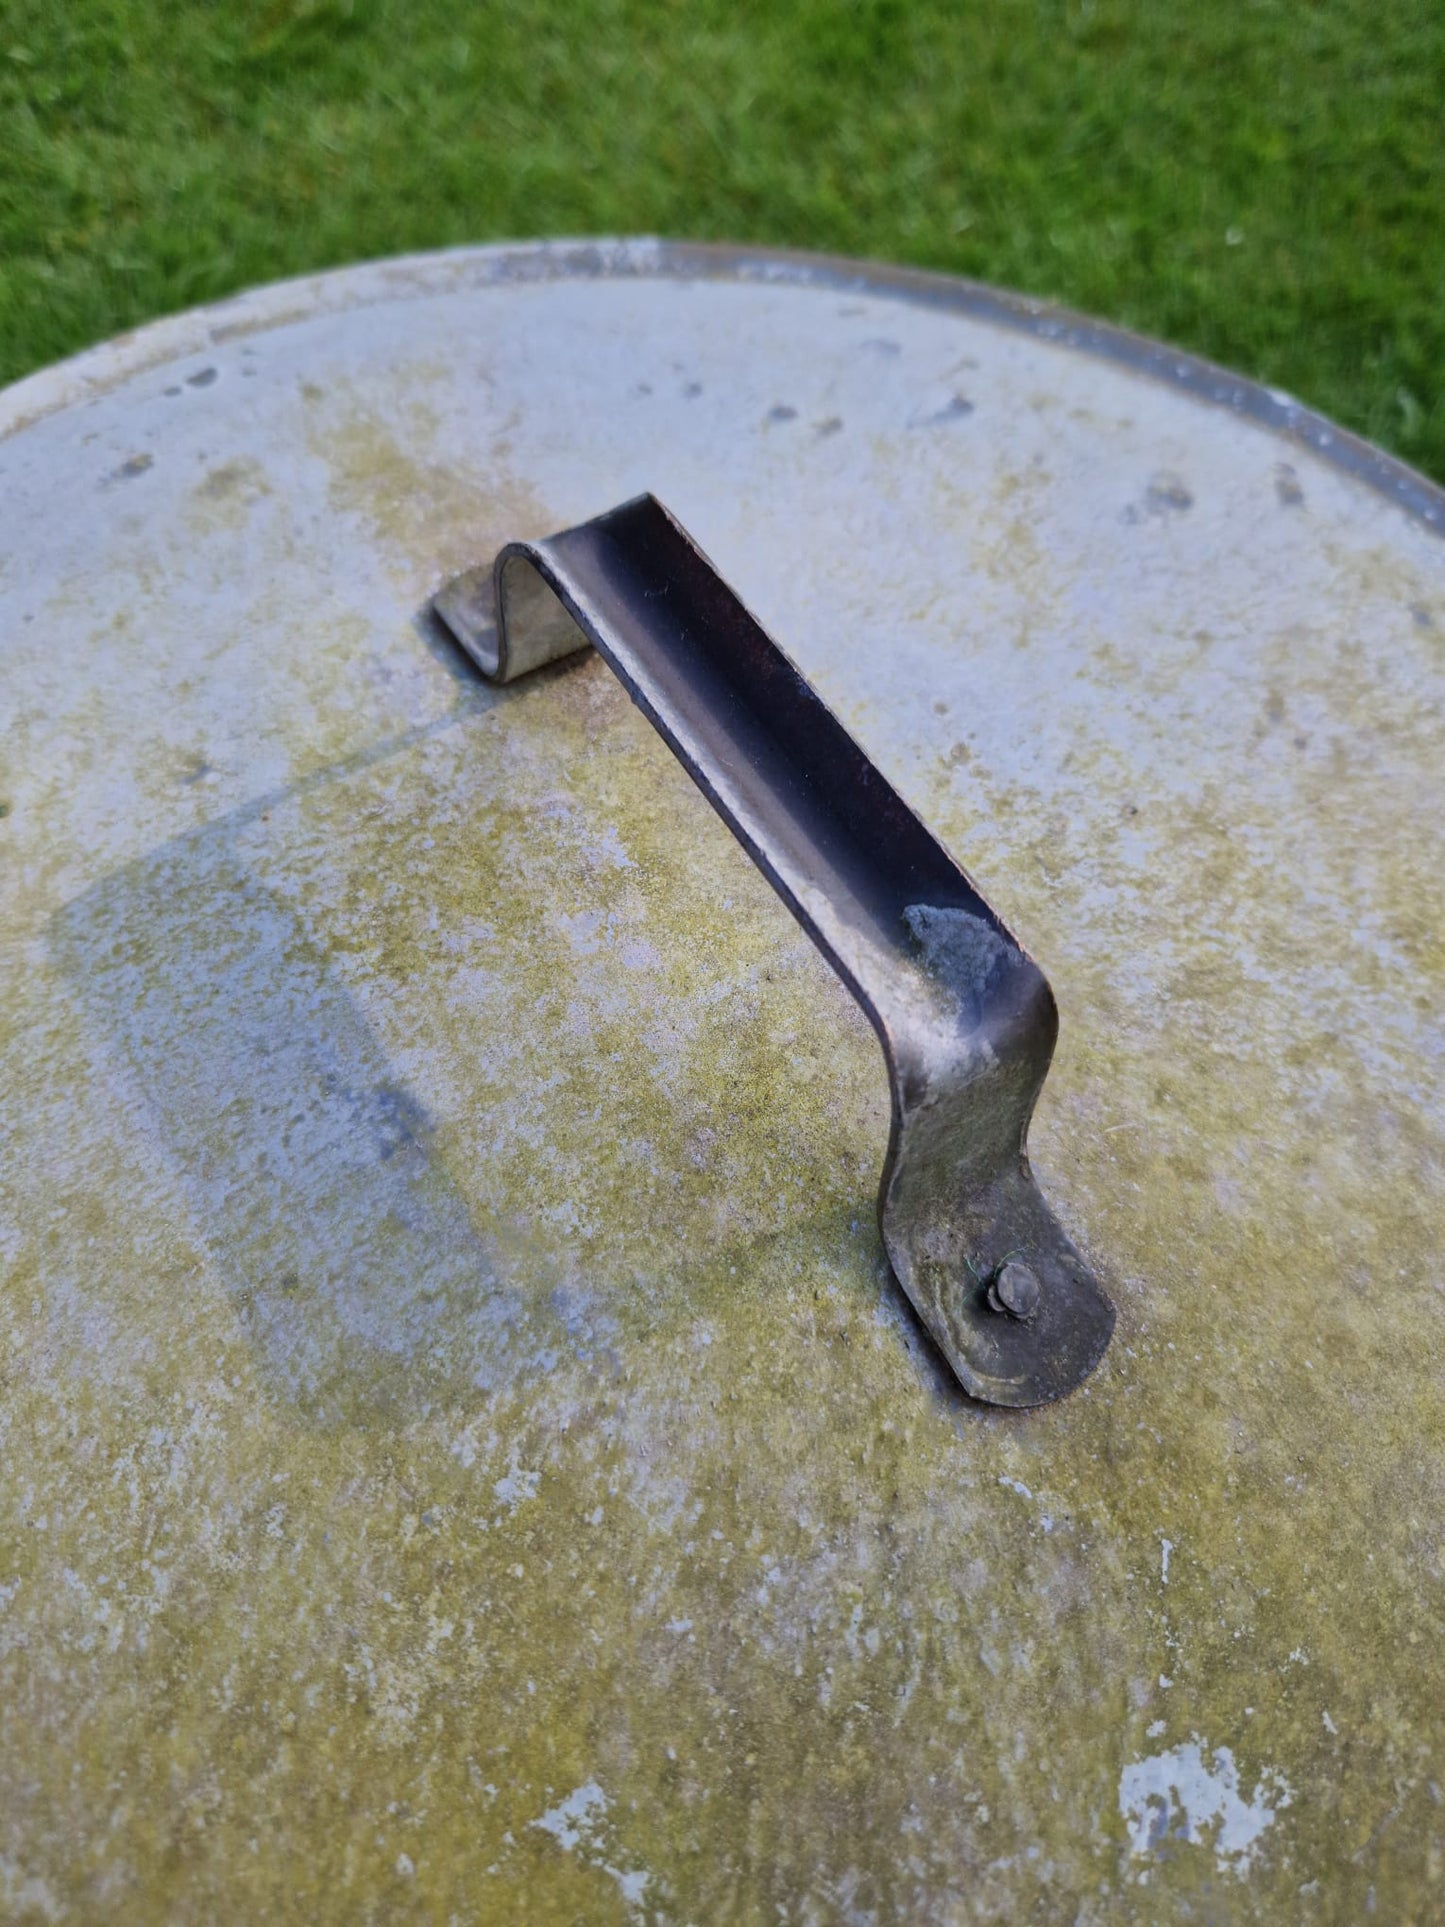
(463, 1450)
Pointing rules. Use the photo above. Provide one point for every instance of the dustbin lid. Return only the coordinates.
(463, 1451)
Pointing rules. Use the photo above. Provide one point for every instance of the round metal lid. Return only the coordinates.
(461, 1450)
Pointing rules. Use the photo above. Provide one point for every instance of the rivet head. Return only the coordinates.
(1014, 1290)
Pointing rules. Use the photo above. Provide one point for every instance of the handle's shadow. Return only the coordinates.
(304, 1160)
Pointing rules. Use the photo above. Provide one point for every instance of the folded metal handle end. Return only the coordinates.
(965, 1017)
(506, 618)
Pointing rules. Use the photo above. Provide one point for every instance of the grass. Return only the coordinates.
(1260, 180)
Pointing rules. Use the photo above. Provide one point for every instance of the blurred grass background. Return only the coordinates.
(1260, 180)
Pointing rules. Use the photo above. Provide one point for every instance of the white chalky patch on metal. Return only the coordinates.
(578, 1824)
(1192, 1793)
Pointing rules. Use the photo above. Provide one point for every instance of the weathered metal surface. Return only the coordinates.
(385, 1534)
(966, 1020)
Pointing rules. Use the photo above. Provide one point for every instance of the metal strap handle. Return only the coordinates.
(966, 1019)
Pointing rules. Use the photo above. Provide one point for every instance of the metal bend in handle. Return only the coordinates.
(966, 1019)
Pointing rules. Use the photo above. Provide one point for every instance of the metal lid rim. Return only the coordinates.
(95, 370)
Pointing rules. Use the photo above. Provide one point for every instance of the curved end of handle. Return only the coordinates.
(506, 618)
(1006, 1296)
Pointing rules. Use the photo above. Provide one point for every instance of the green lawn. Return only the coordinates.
(1260, 180)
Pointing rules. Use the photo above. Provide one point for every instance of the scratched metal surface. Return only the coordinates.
(460, 1453)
